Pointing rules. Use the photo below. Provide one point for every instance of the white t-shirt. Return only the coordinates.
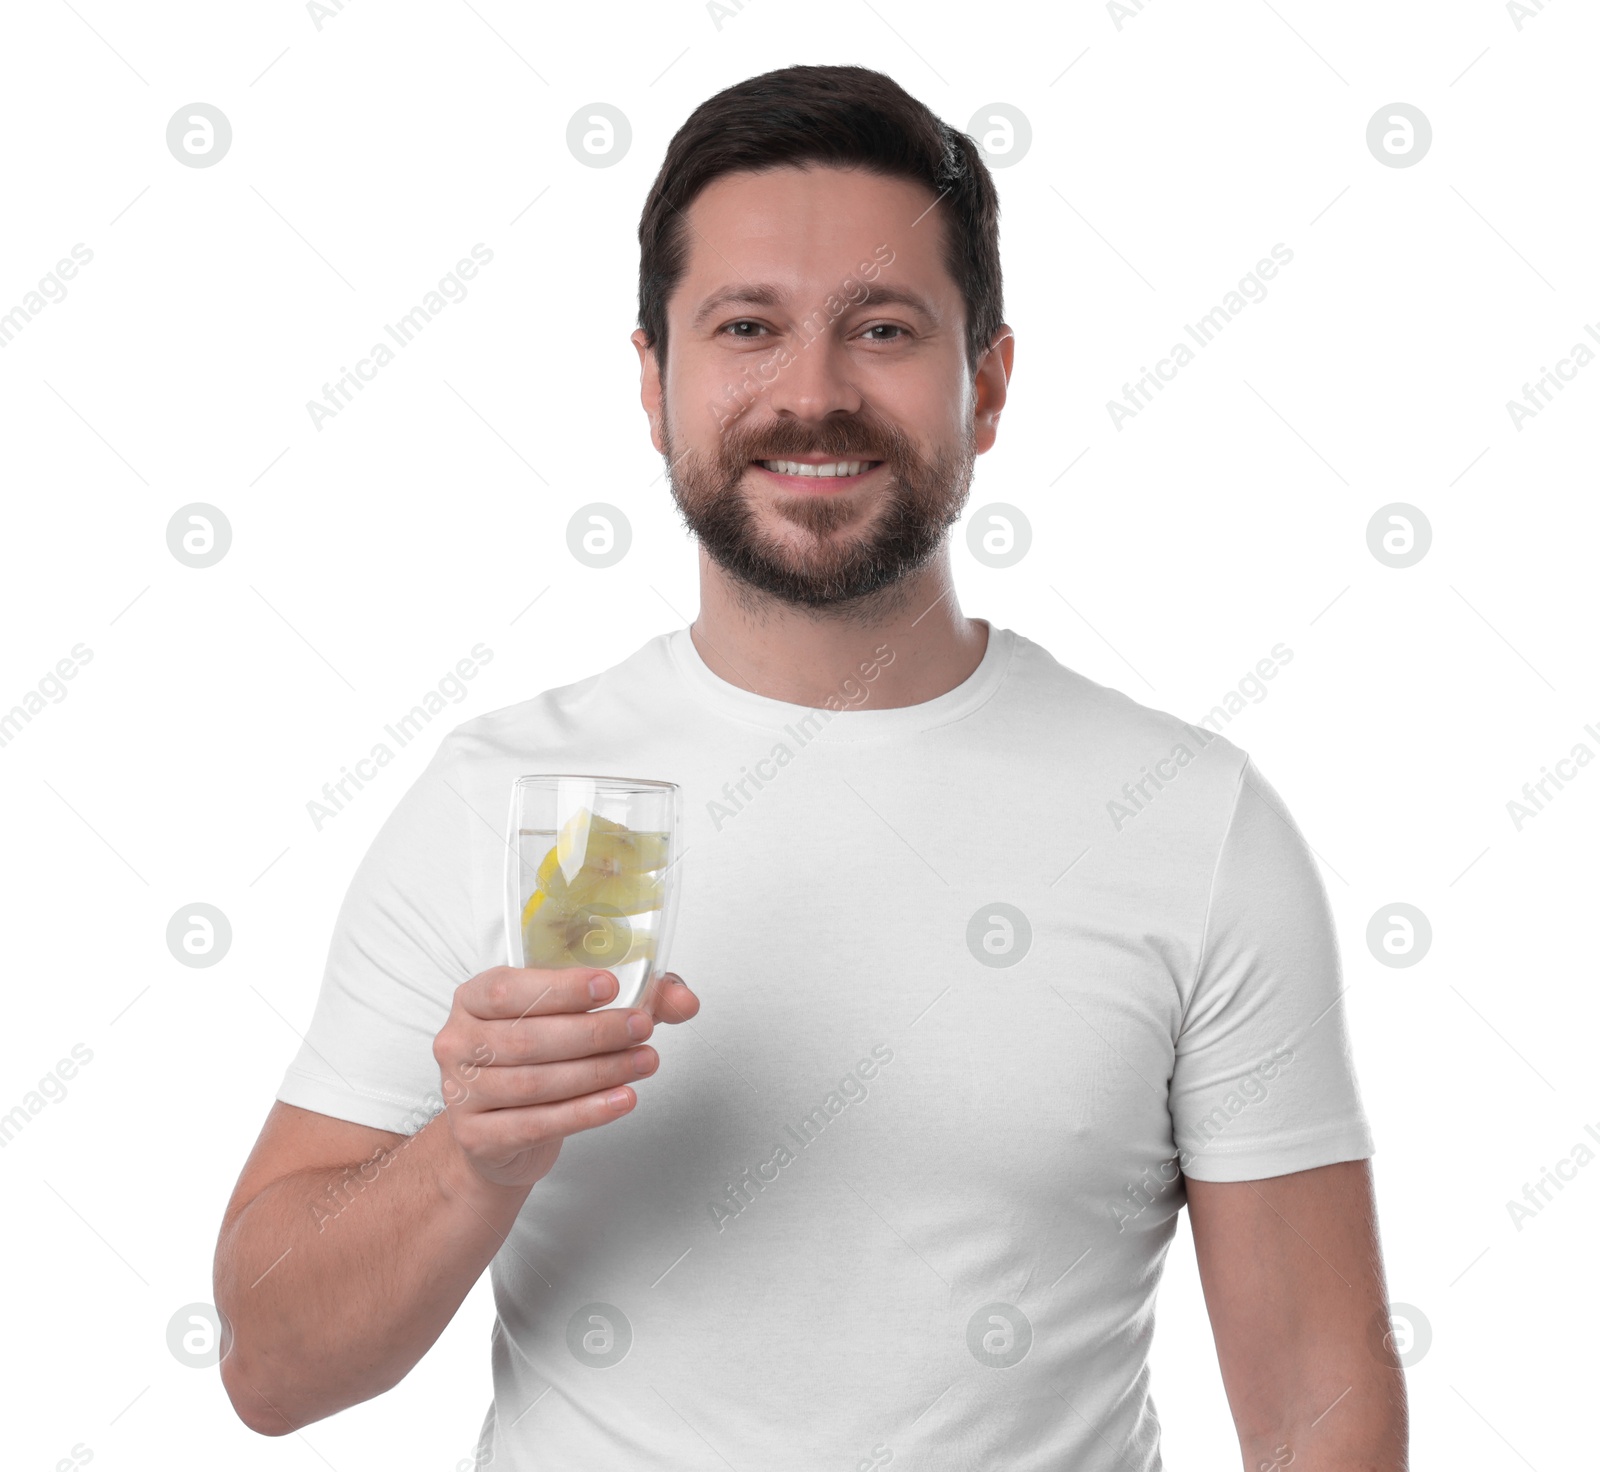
(977, 977)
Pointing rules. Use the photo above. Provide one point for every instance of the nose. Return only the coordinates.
(814, 382)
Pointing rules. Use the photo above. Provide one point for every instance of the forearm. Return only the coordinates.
(336, 1282)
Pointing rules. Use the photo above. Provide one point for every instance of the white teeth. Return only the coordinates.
(794, 467)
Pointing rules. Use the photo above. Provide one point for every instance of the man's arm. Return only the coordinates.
(1294, 1284)
(334, 1288)
(346, 1250)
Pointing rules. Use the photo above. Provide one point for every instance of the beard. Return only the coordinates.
(811, 562)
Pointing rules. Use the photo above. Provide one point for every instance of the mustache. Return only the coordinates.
(854, 441)
(817, 450)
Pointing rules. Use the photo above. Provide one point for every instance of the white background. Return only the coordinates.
(1168, 156)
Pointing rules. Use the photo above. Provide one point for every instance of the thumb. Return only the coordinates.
(673, 1001)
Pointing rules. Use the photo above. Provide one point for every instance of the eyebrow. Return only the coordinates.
(765, 295)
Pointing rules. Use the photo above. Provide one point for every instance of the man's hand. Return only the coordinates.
(525, 1063)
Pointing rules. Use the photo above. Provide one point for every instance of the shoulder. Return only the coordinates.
(551, 716)
(1106, 733)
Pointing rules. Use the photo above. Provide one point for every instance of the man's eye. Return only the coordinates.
(886, 327)
(743, 323)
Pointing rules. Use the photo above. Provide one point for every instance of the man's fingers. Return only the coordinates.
(561, 1036)
(538, 1054)
(501, 1134)
(505, 992)
(518, 1086)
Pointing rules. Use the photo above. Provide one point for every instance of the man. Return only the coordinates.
(994, 968)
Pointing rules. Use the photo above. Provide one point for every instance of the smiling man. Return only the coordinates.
(963, 1039)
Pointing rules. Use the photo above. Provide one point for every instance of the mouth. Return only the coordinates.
(818, 476)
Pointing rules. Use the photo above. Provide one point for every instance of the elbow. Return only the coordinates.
(277, 1405)
(252, 1403)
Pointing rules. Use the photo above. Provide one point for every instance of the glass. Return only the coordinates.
(590, 877)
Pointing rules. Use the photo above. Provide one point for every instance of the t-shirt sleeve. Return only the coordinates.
(1263, 1080)
(402, 943)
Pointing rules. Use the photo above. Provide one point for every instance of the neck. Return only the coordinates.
(911, 638)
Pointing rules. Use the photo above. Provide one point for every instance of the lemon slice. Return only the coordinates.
(585, 937)
(534, 901)
(596, 861)
(572, 843)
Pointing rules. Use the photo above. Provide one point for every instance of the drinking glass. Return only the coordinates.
(591, 878)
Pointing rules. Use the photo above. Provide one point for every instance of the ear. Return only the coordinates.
(994, 373)
(650, 388)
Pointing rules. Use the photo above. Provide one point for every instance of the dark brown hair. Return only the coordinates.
(846, 116)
